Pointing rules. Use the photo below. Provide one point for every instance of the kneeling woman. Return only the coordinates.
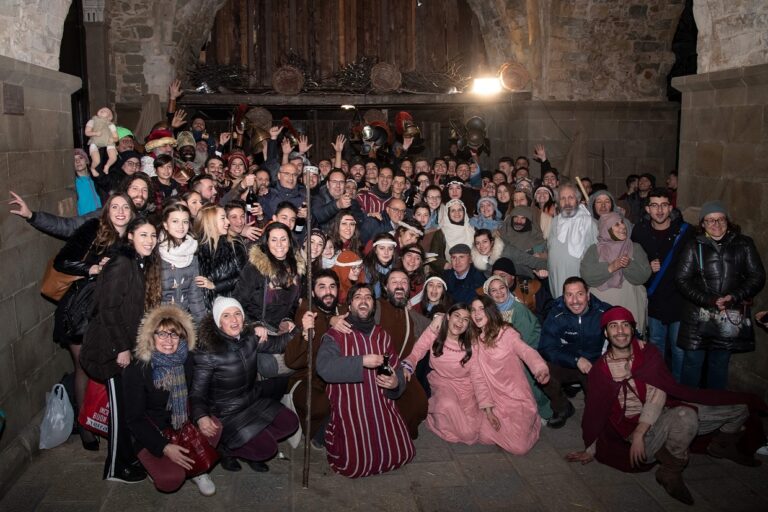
(225, 386)
(453, 411)
(513, 419)
(156, 387)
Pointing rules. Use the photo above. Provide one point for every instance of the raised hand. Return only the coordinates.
(338, 146)
(22, 210)
(174, 90)
(304, 144)
(179, 118)
(540, 153)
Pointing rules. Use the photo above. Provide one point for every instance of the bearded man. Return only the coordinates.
(366, 434)
(636, 413)
(572, 232)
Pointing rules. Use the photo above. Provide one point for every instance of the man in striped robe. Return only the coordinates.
(366, 434)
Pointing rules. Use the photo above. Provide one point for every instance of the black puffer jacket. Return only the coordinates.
(222, 266)
(224, 382)
(708, 270)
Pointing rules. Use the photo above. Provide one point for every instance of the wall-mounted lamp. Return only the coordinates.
(347, 107)
(486, 86)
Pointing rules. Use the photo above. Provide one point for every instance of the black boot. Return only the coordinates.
(670, 476)
(259, 467)
(558, 419)
(230, 463)
(726, 446)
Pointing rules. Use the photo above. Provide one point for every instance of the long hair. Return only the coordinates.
(167, 211)
(287, 270)
(442, 305)
(354, 242)
(205, 226)
(153, 289)
(107, 235)
(494, 325)
(371, 260)
(465, 340)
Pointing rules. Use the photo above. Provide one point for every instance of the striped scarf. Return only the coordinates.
(168, 374)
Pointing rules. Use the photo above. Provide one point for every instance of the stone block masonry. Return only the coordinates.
(36, 162)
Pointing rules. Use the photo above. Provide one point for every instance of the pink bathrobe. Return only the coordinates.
(508, 392)
(453, 411)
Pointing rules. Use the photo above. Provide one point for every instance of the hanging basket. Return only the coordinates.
(260, 117)
(288, 80)
(385, 78)
(514, 77)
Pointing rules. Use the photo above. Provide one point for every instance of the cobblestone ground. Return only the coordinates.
(443, 477)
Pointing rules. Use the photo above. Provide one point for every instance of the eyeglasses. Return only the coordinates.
(396, 210)
(336, 182)
(656, 206)
(164, 335)
(292, 175)
(131, 164)
(711, 222)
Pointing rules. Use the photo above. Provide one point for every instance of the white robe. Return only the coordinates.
(568, 240)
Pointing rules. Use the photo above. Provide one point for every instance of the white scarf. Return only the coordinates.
(181, 256)
(455, 234)
(573, 231)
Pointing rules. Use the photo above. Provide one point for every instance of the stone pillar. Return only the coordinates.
(724, 155)
(35, 162)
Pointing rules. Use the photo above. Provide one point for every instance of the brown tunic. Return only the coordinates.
(296, 358)
(412, 404)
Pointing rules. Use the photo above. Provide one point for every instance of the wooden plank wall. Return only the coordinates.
(328, 34)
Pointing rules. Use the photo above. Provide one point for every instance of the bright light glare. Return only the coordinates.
(486, 86)
(347, 107)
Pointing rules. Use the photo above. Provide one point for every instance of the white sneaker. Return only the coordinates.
(205, 484)
(763, 450)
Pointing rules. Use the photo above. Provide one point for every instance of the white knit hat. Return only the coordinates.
(222, 303)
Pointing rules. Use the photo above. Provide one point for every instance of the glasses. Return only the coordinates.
(336, 182)
(656, 206)
(164, 335)
(292, 175)
(711, 222)
(396, 210)
(131, 164)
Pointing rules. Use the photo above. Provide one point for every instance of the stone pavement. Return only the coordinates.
(443, 477)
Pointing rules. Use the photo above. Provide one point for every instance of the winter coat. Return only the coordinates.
(666, 302)
(179, 287)
(146, 407)
(117, 311)
(708, 270)
(324, 209)
(566, 337)
(221, 266)
(224, 384)
(60, 227)
(258, 296)
(277, 194)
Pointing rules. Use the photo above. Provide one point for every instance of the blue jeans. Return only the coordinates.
(665, 339)
(717, 368)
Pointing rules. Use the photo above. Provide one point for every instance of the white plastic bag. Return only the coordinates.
(58, 419)
(287, 401)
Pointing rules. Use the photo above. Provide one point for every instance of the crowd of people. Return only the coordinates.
(477, 300)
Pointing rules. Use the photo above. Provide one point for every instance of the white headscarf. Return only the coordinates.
(455, 233)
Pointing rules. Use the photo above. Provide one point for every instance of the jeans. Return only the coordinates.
(717, 368)
(665, 339)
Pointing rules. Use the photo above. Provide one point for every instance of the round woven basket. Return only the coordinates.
(288, 80)
(374, 114)
(385, 77)
(514, 77)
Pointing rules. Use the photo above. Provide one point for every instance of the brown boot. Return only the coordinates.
(670, 476)
(725, 446)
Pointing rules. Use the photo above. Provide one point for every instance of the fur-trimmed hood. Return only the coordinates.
(211, 337)
(483, 263)
(145, 341)
(261, 261)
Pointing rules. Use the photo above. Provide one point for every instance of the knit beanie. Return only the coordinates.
(505, 265)
(712, 207)
(222, 303)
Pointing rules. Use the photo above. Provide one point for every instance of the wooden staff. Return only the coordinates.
(310, 332)
(583, 190)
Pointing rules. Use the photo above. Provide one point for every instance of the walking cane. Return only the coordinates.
(310, 332)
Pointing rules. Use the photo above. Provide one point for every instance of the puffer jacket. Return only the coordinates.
(146, 407)
(224, 384)
(261, 301)
(178, 282)
(708, 270)
(221, 266)
(566, 337)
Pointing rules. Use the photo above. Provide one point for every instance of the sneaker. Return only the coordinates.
(205, 484)
(128, 475)
(317, 445)
(763, 450)
(558, 419)
(259, 467)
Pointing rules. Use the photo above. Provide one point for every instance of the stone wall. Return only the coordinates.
(602, 140)
(731, 34)
(35, 162)
(30, 30)
(723, 155)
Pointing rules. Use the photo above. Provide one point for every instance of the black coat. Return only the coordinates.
(708, 270)
(117, 311)
(77, 256)
(222, 266)
(146, 407)
(224, 383)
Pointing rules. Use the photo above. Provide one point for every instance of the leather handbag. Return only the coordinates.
(55, 284)
(200, 450)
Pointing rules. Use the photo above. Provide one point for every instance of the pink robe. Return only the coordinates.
(453, 411)
(509, 392)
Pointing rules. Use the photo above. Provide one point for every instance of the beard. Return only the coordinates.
(322, 305)
(395, 301)
(569, 212)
